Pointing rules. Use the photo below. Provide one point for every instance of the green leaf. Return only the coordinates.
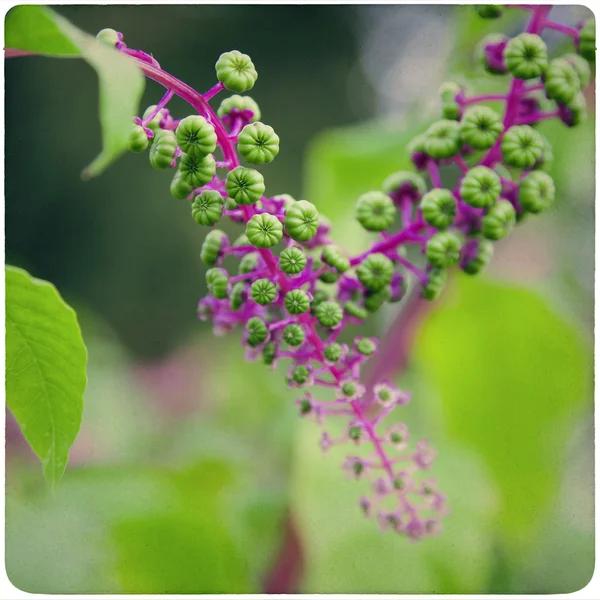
(40, 30)
(45, 368)
(511, 375)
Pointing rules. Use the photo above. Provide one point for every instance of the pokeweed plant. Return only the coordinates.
(295, 290)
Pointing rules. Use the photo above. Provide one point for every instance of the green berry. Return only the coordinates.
(248, 263)
(587, 40)
(404, 182)
(526, 56)
(355, 310)
(366, 346)
(333, 352)
(581, 66)
(236, 297)
(236, 71)
(264, 230)
(196, 136)
(439, 208)
(436, 279)
(450, 107)
(375, 300)
(245, 186)
(301, 374)
(480, 187)
(162, 151)
(217, 282)
(333, 257)
(443, 249)
(442, 139)
(375, 272)
(263, 291)
(318, 297)
(292, 260)
(522, 147)
(207, 208)
(576, 109)
(545, 162)
(305, 406)
(211, 247)
(348, 388)
(479, 258)
(197, 170)
(499, 220)
(562, 82)
(239, 103)
(329, 313)
(293, 335)
(536, 192)
(297, 302)
(138, 140)
(301, 220)
(375, 211)
(480, 127)
(256, 330)
(258, 143)
(268, 353)
(329, 276)
(154, 124)
(180, 188)
(108, 36)
(489, 11)
(241, 240)
(354, 433)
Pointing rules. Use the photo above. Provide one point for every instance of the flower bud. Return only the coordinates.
(245, 186)
(526, 56)
(264, 230)
(443, 249)
(211, 247)
(375, 271)
(162, 151)
(301, 220)
(207, 208)
(293, 335)
(439, 208)
(297, 302)
(258, 143)
(480, 127)
(329, 313)
(263, 291)
(196, 136)
(536, 192)
(375, 211)
(217, 282)
(499, 220)
(442, 139)
(236, 71)
(480, 187)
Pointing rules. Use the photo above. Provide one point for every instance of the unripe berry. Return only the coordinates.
(293, 335)
(450, 107)
(375, 300)
(439, 208)
(436, 280)
(297, 302)
(489, 11)
(207, 208)
(197, 170)
(301, 220)
(239, 104)
(264, 230)
(443, 249)
(196, 136)
(329, 313)
(587, 40)
(138, 140)
(292, 260)
(211, 247)
(477, 254)
(480, 187)
(442, 139)
(375, 211)
(180, 188)
(526, 56)
(375, 272)
(245, 186)
(258, 143)
(355, 310)
(263, 291)
(217, 282)
(301, 374)
(162, 151)
(365, 346)
(248, 263)
(329, 276)
(333, 352)
(522, 147)
(334, 257)
(581, 66)
(404, 183)
(562, 81)
(256, 331)
(154, 124)
(236, 297)
(108, 36)
(318, 297)
(574, 112)
(536, 192)
(480, 127)
(236, 71)
(499, 220)
(268, 353)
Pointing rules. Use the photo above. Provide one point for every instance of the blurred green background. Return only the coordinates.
(191, 463)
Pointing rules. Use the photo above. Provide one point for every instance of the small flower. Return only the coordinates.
(326, 441)
(449, 91)
(269, 352)
(355, 432)
(388, 395)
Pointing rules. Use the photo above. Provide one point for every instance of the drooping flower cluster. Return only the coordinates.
(293, 290)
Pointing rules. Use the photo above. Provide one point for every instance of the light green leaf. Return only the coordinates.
(511, 375)
(45, 368)
(40, 30)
